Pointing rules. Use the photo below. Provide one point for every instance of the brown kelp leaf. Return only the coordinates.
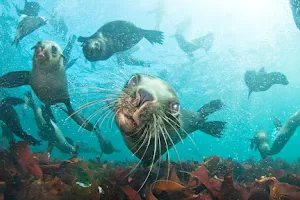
(284, 191)
(130, 193)
(169, 190)
(119, 176)
(25, 159)
(204, 195)
(229, 191)
(201, 177)
(39, 191)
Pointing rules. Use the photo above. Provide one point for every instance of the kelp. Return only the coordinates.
(27, 175)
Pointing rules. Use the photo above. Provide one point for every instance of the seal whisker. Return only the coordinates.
(148, 136)
(114, 116)
(138, 141)
(173, 144)
(187, 134)
(159, 147)
(105, 115)
(152, 163)
(167, 147)
(167, 120)
(94, 114)
(89, 104)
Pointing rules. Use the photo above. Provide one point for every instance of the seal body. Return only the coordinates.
(47, 79)
(116, 36)
(285, 132)
(149, 116)
(27, 25)
(262, 81)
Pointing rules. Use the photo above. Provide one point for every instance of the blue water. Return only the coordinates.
(248, 35)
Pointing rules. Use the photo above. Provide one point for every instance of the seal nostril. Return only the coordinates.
(144, 97)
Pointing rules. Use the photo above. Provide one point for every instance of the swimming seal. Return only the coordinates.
(204, 42)
(116, 36)
(295, 7)
(47, 129)
(47, 79)
(27, 25)
(11, 119)
(151, 121)
(261, 139)
(30, 9)
(262, 81)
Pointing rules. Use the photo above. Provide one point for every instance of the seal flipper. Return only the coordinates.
(250, 91)
(211, 107)
(71, 63)
(213, 128)
(13, 101)
(70, 141)
(47, 110)
(14, 79)
(82, 39)
(154, 36)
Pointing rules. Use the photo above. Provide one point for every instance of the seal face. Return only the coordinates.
(144, 100)
(48, 78)
(151, 121)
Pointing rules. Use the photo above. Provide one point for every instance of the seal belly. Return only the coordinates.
(51, 87)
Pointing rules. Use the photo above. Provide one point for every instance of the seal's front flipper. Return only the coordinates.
(213, 128)
(14, 79)
(80, 120)
(211, 107)
(13, 101)
(70, 141)
(47, 114)
(250, 91)
(82, 39)
(154, 36)
(71, 63)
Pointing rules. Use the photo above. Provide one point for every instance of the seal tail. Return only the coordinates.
(154, 36)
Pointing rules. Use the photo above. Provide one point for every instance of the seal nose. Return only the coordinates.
(144, 97)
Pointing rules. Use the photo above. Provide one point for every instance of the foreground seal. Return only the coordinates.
(47, 79)
(9, 116)
(116, 36)
(262, 81)
(261, 139)
(151, 121)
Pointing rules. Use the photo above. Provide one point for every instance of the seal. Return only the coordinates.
(261, 139)
(126, 58)
(262, 81)
(204, 42)
(295, 7)
(30, 9)
(47, 79)
(67, 53)
(9, 116)
(47, 129)
(116, 36)
(27, 25)
(150, 118)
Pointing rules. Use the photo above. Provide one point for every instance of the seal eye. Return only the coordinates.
(175, 108)
(133, 81)
(54, 50)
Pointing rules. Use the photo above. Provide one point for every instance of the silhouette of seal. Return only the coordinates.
(262, 81)
(116, 36)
